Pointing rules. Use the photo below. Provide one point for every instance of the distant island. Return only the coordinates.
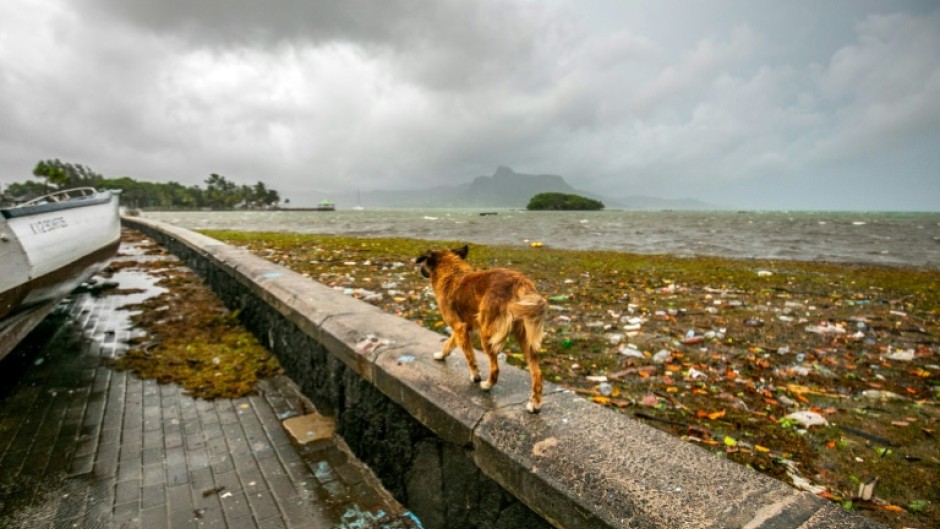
(563, 201)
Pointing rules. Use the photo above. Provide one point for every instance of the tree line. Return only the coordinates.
(220, 193)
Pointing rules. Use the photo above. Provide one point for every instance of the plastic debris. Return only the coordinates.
(808, 418)
(825, 328)
(866, 489)
(286, 414)
(879, 394)
(632, 351)
(904, 356)
(799, 481)
(661, 356)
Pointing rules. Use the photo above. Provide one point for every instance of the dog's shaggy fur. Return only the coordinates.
(496, 302)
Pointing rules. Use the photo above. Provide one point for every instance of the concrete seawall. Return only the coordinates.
(461, 458)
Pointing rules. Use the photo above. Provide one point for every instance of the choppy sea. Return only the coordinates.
(907, 239)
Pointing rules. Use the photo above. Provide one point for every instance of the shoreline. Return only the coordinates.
(724, 353)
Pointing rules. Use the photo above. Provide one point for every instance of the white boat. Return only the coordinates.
(48, 247)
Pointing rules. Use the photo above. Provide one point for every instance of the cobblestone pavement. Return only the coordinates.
(82, 445)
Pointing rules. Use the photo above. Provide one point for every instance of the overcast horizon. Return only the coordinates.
(791, 105)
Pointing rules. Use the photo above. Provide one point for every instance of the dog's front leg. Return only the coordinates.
(448, 347)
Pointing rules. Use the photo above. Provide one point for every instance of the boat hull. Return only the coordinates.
(47, 251)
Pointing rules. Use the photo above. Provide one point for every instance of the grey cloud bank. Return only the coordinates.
(789, 106)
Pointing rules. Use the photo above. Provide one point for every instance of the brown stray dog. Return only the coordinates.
(496, 301)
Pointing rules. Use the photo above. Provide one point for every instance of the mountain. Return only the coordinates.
(505, 188)
(656, 203)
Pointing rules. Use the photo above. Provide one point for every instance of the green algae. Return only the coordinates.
(738, 353)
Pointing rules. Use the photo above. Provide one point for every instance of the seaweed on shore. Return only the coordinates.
(824, 375)
(192, 339)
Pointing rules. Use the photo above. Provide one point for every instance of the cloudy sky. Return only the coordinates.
(783, 105)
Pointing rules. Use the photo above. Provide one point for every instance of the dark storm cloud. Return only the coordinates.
(313, 96)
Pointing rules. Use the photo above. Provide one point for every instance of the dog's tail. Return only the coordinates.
(529, 309)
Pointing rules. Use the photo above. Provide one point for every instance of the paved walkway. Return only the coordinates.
(82, 445)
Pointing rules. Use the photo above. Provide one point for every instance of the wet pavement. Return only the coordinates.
(83, 445)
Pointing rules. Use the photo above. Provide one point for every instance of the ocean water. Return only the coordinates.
(907, 239)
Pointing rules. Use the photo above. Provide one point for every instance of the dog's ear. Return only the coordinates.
(428, 257)
(462, 252)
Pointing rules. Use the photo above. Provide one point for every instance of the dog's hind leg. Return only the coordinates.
(491, 352)
(535, 371)
(462, 337)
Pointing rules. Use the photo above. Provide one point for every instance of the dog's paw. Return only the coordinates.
(485, 385)
(532, 407)
(475, 377)
(440, 356)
